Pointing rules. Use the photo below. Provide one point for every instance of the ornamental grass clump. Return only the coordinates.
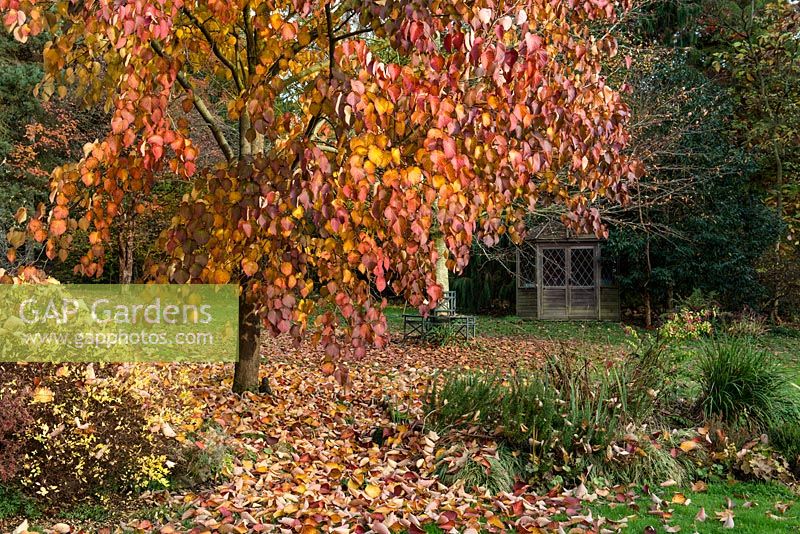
(561, 418)
(745, 387)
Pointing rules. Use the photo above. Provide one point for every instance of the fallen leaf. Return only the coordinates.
(42, 395)
(373, 491)
(726, 517)
(699, 487)
(689, 445)
(701, 515)
(679, 498)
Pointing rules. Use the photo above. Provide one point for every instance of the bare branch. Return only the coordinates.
(201, 108)
(215, 49)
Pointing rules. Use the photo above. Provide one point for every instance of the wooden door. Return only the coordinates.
(568, 281)
(553, 273)
(582, 283)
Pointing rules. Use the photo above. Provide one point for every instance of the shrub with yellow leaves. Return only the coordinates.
(69, 431)
(87, 433)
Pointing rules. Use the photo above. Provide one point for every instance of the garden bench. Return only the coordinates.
(444, 315)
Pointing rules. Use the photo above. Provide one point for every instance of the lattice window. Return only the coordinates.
(581, 267)
(527, 266)
(554, 271)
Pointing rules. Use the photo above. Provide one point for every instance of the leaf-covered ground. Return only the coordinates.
(316, 456)
(308, 458)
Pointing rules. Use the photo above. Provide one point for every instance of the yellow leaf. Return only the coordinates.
(495, 522)
(43, 395)
(679, 498)
(376, 156)
(372, 491)
(383, 106)
(689, 445)
(414, 175)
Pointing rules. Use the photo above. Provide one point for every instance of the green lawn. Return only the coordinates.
(783, 341)
(752, 505)
(760, 516)
(510, 325)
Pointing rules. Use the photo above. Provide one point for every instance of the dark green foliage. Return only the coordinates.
(668, 22)
(15, 504)
(562, 416)
(704, 223)
(744, 386)
(463, 398)
(87, 512)
(486, 285)
(503, 469)
(653, 467)
(785, 438)
(19, 74)
(528, 412)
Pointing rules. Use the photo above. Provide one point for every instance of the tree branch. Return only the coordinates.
(250, 39)
(215, 49)
(331, 38)
(353, 33)
(201, 108)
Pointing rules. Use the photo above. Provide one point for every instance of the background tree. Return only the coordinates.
(342, 167)
(695, 220)
(757, 52)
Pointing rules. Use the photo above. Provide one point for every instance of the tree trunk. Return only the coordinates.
(245, 376)
(670, 297)
(648, 309)
(126, 242)
(442, 274)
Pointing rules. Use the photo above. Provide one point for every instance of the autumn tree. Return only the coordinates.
(351, 135)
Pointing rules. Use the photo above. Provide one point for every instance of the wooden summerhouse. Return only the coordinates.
(563, 276)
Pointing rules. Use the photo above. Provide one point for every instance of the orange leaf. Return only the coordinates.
(58, 227)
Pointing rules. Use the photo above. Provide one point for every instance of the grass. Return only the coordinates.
(741, 383)
(512, 326)
(783, 341)
(752, 520)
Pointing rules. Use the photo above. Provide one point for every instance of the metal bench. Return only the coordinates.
(444, 315)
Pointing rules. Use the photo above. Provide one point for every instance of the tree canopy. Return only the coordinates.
(350, 137)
